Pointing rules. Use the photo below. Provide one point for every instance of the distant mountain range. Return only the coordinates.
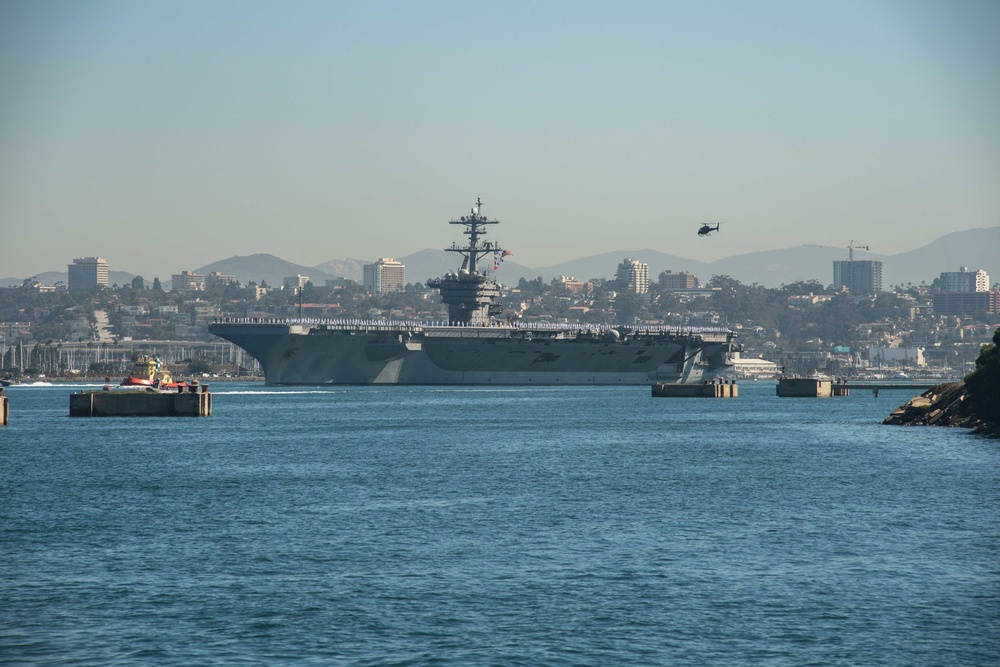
(974, 248)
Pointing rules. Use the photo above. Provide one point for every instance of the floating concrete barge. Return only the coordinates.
(707, 390)
(140, 403)
(804, 388)
(811, 388)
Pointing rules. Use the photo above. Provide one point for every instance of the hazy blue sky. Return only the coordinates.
(166, 135)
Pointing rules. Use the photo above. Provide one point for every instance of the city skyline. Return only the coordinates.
(772, 268)
(165, 137)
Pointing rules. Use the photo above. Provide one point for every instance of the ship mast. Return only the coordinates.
(471, 297)
(474, 251)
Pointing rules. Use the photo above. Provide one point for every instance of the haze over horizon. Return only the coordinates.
(168, 136)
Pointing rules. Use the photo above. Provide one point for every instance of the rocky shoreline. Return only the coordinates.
(943, 405)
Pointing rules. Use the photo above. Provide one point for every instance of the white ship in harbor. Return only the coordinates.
(478, 346)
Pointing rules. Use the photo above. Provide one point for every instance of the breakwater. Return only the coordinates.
(942, 405)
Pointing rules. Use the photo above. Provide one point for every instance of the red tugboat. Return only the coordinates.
(147, 371)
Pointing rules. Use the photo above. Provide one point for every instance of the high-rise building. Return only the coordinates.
(86, 273)
(385, 275)
(670, 281)
(635, 275)
(186, 281)
(216, 278)
(964, 280)
(573, 285)
(860, 276)
(295, 282)
(967, 304)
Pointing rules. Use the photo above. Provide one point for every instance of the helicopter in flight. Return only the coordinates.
(707, 228)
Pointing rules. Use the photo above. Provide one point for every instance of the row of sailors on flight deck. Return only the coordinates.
(514, 324)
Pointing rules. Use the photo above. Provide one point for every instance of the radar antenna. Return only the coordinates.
(474, 251)
(471, 297)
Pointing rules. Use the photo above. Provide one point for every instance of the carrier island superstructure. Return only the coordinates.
(478, 346)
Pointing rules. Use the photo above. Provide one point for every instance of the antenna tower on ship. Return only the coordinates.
(473, 252)
(471, 297)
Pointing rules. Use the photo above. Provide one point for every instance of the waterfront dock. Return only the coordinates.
(820, 388)
(196, 402)
(898, 385)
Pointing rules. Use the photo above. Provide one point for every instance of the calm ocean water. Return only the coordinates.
(481, 526)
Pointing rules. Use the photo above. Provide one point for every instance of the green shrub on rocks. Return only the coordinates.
(974, 403)
(983, 384)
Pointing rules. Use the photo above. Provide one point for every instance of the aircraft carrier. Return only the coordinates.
(478, 345)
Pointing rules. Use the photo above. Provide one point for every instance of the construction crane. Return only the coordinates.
(851, 280)
(850, 249)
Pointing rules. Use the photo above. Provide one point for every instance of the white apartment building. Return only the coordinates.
(186, 281)
(86, 273)
(385, 275)
(635, 275)
(964, 280)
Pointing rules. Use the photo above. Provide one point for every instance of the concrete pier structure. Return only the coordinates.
(813, 387)
(804, 388)
(707, 390)
(193, 403)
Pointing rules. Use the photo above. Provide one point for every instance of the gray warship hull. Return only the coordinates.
(310, 354)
